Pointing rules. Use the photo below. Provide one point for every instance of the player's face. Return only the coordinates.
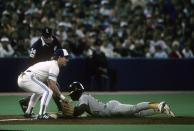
(75, 96)
(63, 61)
(48, 40)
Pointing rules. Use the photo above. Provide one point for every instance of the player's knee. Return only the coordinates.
(133, 109)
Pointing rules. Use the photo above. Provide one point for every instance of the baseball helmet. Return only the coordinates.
(61, 52)
(75, 90)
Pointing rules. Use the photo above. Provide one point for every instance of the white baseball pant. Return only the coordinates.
(30, 83)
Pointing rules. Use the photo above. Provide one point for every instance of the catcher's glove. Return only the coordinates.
(67, 108)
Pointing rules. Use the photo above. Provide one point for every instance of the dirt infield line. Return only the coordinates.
(7, 120)
(93, 120)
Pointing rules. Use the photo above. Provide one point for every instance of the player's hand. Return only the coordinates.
(67, 108)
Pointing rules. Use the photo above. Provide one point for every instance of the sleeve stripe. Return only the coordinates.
(53, 75)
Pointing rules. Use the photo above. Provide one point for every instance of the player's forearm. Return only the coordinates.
(58, 93)
(55, 90)
(53, 86)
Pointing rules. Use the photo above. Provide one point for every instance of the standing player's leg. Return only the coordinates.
(24, 103)
(41, 89)
(24, 81)
(30, 84)
(47, 94)
(33, 99)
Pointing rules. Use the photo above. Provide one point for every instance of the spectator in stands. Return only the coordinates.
(175, 53)
(173, 18)
(158, 41)
(6, 49)
(186, 51)
(107, 48)
(6, 23)
(160, 53)
(22, 48)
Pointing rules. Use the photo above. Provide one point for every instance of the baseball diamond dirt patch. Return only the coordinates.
(11, 119)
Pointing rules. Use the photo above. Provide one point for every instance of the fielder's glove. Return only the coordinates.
(67, 108)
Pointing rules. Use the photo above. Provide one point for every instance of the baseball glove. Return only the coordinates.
(67, 108)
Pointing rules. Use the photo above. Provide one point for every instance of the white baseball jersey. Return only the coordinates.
(45, 70)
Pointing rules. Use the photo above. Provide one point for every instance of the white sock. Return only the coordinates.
(33, 99)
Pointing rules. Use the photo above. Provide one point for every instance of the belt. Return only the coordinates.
(23, 73)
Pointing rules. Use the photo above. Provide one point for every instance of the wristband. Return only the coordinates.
(62, 97)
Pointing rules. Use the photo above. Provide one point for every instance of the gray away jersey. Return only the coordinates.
(96, 107)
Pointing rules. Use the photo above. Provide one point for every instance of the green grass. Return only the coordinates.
(99, 127)
(181, 103)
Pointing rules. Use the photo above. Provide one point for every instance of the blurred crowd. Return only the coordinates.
(120, 28)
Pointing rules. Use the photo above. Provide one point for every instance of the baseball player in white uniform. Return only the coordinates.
(34, 78)
(94, 107)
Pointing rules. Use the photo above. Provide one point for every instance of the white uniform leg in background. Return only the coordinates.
(30, 83)
(117, 108)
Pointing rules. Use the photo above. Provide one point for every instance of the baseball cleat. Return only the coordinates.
(45, 116)
(23, 104)
(32, 115)
(165, 108)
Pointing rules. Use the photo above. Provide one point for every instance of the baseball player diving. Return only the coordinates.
(34, 78)
(94, 107)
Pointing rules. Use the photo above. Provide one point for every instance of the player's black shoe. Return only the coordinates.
(45, 116)
(23, 104)
(32, 115)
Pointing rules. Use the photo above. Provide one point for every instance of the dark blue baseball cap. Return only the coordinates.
(47, 32)
(61, 52)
